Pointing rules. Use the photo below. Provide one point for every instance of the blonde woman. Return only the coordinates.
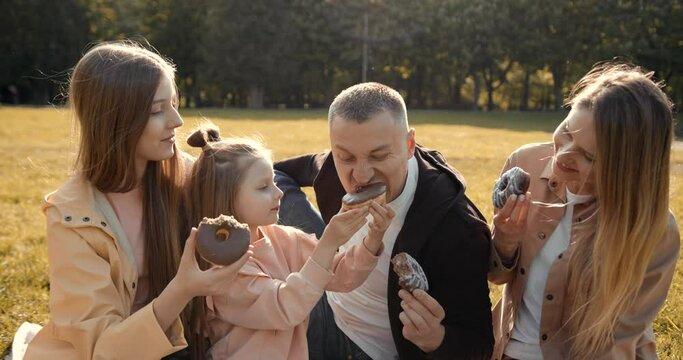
(118, 282)
(588, 254)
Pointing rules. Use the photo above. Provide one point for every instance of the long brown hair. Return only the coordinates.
(634, 131)
(211, 190)
(110, 94)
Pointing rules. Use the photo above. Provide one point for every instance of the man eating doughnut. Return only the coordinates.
(435, 223)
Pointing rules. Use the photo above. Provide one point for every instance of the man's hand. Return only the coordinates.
(421, 318)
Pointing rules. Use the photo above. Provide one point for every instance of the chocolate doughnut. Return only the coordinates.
(364, 195)
(409, 271)
(514, 181)
(223, 240)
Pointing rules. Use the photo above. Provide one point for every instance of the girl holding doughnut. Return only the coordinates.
(263, 313)
(118, 280)
(587, 255)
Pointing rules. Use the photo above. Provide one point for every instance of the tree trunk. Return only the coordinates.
(524, 105)
(255, 98)
(328, 75)
(558, 72)
(457, 92)
(477, 90)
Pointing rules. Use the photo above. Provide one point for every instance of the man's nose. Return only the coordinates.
(363, 174)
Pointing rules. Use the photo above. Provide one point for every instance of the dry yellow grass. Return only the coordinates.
(37, 150)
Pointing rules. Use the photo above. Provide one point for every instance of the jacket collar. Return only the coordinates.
(75, 201)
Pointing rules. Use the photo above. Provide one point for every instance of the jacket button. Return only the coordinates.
(544, 337)
(103, 224)
(67, 218)
(86, 219)
(549, 297)
(541, 235)
(521, 271)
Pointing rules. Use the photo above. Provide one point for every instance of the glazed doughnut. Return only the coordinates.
(223, 240)
(410, 274)
(514, 181)
(364, 195)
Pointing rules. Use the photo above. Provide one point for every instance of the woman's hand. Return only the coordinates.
(191, 281)
(382, 215)
(509, 223)
(194, 281)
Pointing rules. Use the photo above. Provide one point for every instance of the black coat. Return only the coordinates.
(445, 233)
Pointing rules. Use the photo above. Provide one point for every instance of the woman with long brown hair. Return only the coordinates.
(118, 280)
(587, 256)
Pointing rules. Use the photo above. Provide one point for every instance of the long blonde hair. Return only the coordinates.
(211, 190)
(634, 131)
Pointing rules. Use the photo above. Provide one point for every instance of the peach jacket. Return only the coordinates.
(634, 337)
(92, 287)
(263, 314)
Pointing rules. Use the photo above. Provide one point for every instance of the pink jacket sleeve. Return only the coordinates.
(350, 268)
(257, 301)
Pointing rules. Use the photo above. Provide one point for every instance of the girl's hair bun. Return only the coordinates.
(203, 136)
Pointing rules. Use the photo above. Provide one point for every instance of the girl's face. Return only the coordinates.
(258, 199)
(575, 147)
(156, 141)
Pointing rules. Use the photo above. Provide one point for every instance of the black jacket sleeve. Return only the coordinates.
(461, 288)
(303, 169)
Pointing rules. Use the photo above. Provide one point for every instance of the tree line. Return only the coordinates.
(440, 54)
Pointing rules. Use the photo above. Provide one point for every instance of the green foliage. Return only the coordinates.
(440, 54)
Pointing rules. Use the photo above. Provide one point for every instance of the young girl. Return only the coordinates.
(263, 313)
(588, 255)
(118, 282)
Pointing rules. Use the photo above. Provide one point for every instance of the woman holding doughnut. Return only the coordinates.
(587, 255)
(118, 282)
(262, 314)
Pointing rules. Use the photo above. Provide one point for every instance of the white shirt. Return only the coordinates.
(524, 339)
(362, 314)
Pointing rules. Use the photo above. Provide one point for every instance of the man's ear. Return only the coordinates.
(411, 143)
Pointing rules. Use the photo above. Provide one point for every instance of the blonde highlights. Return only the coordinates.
(634, 131)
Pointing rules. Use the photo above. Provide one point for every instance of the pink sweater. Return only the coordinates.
(263, 314)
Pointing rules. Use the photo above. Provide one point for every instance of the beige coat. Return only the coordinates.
(633, 336)
(92, 287)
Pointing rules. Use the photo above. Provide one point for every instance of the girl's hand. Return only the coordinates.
(382, 215)
(343, 225)
(509, 223)
(196, 282)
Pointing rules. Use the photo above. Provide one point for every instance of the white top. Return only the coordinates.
(524, 339)
(362, 314)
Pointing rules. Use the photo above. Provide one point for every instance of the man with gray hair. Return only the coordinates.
(435, 223)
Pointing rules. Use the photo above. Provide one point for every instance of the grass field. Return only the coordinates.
(38, 147)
